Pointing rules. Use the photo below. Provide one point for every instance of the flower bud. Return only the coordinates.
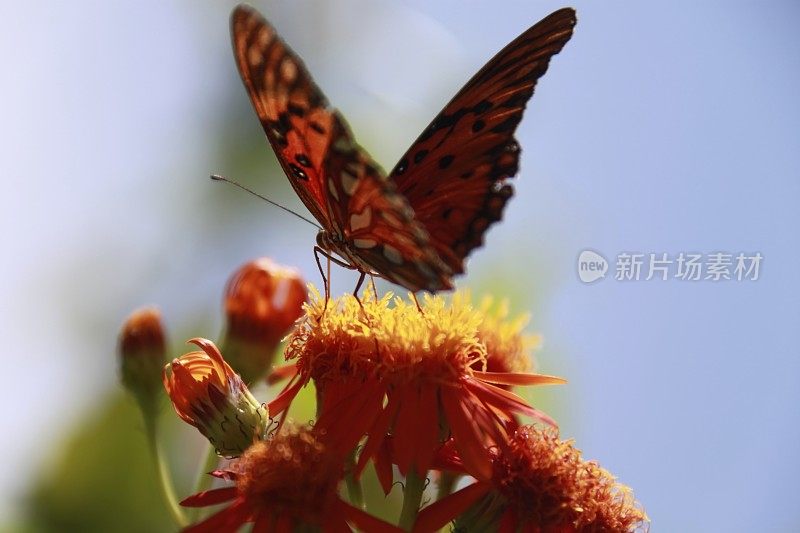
(262, 301)
(209, 395)
(142, 356)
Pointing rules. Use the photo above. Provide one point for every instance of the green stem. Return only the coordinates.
(447, 482)
(412, 497)
(202, 479)
(354, 490)
(164, 477)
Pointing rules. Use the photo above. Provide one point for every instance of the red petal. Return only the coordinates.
(467, 439)
(263, 523)
(377, 434)
(336, 524)
(447, 458)
(406, 434)
(363, 520)
(229, 519)
(439, 514)
(506, 401)
(508, 523)
(514, 378)
(210, 497)
(428, 429)
(383, 465)
(284, 399)
(352, 415)
(283, 524)
(282, 372)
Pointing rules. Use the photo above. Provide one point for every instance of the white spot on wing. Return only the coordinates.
(333, 190)
(254, 56)
(349, 183)
(364, 243)
(392, 254)
(361, 220)
(288, 70)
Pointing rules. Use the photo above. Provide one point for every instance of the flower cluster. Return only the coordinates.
(420, 390)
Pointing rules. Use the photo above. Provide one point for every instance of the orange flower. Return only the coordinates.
(262, 301)
(142, 355)
(507, 347)
(209, 395)
(539, 483)
(288, 483)
(406, 379)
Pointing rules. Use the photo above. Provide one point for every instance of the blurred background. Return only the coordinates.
(661, 127)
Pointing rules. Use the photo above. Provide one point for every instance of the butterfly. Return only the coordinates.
(416, 226)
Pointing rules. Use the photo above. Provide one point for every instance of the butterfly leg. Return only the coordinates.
(358, 286)
(325, 280)
(374, 288)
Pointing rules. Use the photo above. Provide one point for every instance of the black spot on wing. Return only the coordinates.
(298, 172)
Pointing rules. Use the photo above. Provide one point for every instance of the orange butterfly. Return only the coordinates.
(417, 226)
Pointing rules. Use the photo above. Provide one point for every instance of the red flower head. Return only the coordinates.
(539, 483)
(407, 380)
(287, 483)
(262, 301)
(209, 395)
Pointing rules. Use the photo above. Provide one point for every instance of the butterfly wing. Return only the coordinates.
(293, 111)
(333, 176)
(378, 225)
(454, 175)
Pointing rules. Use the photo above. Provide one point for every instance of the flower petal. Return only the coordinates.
(210, 497)
(229, 519)
(515, 378)
(377, 434)
(508, 522)
(349, 410)
(428, 429)
(439, 514)
(506, 401)
(263, 522)
(363, 520)
(406, 433)
(383, 465)
(282, 372)
(466, 436)
(283, 400)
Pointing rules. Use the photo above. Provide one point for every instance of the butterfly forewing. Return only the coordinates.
(334, 177)
(454, 174)
(293, 111)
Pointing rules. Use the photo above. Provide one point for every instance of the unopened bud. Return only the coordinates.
(262, 302)
(142, 351)
(209, 395)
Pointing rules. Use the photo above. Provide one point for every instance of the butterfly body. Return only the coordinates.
(416, 226)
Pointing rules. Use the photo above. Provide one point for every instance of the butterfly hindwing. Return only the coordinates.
(379, 224)
(454, 175)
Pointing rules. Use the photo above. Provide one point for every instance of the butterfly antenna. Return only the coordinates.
(217, 177)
